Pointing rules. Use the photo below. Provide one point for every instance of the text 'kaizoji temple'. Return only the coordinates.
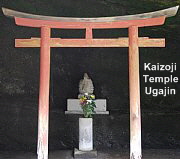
(133, 42)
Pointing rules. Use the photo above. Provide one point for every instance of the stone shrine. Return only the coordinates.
(85, 86)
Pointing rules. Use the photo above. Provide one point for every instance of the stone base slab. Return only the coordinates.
(74, 107)
(85, 154)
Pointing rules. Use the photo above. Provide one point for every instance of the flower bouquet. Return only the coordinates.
(87, 102)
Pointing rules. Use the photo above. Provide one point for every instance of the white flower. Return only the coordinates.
(89, 101)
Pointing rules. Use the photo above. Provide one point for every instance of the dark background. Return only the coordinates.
(108, 68)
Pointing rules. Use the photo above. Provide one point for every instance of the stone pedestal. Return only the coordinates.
(85, 140)
(85, 134)
(85, 150)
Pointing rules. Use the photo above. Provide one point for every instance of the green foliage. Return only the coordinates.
(88, 104)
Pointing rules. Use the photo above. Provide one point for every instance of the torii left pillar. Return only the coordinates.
(43, 116)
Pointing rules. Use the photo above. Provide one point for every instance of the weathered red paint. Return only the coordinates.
(134, 91)
(120, 42)
(94, 25)
(89, 33)
(43, 117)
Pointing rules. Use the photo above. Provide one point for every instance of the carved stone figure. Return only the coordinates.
(85, 86)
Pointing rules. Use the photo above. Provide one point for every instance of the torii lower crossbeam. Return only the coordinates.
(120, 42)
(132, 22)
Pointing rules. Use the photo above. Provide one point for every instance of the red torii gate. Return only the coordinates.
(132, 22)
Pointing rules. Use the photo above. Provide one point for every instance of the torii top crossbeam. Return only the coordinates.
(161, 13)
(132, 22)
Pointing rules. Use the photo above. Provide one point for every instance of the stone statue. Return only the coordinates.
(85, 86)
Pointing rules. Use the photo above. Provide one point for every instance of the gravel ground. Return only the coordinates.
(67, 154)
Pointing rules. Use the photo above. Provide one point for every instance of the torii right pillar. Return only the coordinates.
(134, 93)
